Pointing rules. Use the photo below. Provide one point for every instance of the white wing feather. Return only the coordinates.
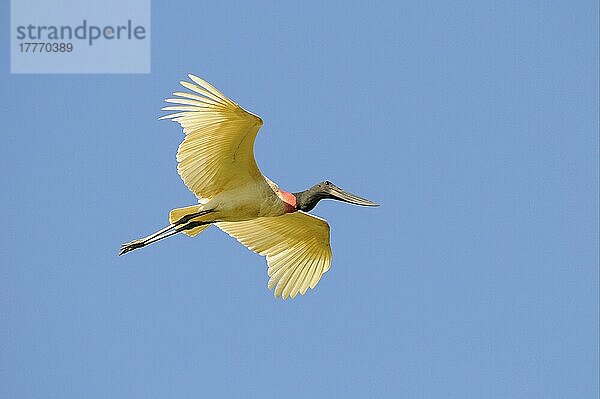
(217, 153)
(296, 246)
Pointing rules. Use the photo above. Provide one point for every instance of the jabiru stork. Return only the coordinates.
(216, 162)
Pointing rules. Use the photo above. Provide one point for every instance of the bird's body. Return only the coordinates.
(216, 162)
(250, 201)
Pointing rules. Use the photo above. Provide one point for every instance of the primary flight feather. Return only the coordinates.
(216, 162)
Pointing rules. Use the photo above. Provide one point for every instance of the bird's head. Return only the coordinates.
(306, 200)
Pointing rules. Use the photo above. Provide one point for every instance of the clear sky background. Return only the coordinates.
(474, 124)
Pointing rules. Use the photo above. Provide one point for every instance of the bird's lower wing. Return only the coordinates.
(217, 153)
(296, 246)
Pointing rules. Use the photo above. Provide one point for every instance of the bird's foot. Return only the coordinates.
(131, 245)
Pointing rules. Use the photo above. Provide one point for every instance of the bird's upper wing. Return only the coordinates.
(296, 246)
(218, 150)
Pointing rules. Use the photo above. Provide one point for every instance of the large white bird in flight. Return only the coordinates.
(216, 162)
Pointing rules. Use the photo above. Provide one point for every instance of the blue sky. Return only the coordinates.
(474, 124)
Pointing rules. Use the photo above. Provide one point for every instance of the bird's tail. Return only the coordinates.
(179, 213)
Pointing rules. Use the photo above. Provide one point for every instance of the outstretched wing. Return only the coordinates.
(296, 246)
(218, 150)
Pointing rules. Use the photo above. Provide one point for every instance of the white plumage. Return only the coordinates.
(216, 162)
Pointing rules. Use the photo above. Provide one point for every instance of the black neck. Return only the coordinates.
(306, 200)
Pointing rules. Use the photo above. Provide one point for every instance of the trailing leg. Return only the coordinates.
(182, 224)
